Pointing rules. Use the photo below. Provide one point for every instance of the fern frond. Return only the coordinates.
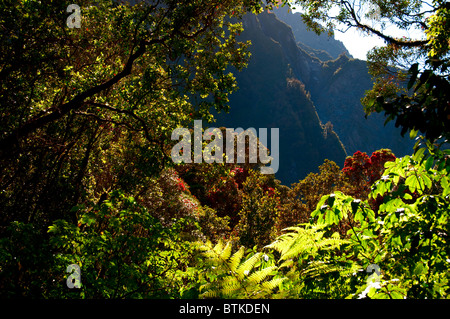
(306, 240)
(319, 268)
(235, 260)
(287, 264)
(260, 275)
(272, 284)
(226, 252)
(210, 293)
(234, 276)
(245, 268)
(218, 247)
(230, 282)
(215, 254)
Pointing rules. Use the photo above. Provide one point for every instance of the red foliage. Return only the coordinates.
(180, 184)
(362, 167)
(356, 167)
(240, 175)
(377, 160)
(362, 171)
(217, 187)
(271, 191)
(225, 196)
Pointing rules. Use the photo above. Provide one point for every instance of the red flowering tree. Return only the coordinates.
(216, 186)
(361, 171)
(225, 194)
(377, 160)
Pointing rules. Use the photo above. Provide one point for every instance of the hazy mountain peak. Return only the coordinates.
(319, 45)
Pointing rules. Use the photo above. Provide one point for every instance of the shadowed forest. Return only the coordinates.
(93, 206)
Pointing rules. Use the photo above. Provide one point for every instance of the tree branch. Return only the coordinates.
(140, 120)
(10, 141)
(388, 39)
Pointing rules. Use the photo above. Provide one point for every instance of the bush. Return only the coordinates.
(259, 213)
(406, 243)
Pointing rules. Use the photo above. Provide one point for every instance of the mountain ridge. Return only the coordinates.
(337, 93)
(270, 95)
(311, 42)
(316, 104)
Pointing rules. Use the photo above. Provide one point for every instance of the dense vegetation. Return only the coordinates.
(86, 176)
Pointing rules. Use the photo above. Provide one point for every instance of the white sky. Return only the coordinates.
(358, 44)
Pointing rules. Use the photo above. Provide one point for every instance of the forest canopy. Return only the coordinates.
(86, 176)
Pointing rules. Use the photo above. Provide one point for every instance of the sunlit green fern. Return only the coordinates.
(303, 256)
(236, 275)
(305, 259)
(305, 241)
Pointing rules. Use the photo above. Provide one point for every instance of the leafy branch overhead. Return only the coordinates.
(129, 62)
(116, 87)
(410, 71)
(86, 116)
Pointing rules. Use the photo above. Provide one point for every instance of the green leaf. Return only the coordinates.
(445, 185)
(53, 229)
(359, 216)
(329, 217)
(419, 269)
(413, 133)
(396, 294)
(415, 183)
(389, 164)
(407, 196)
(426, 181)
(429, 163)
(418, 155)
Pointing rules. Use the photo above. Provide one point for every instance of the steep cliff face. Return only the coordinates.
(322, 46)
(288, 86)
(343, 83)
(271, 95)
(336, 91)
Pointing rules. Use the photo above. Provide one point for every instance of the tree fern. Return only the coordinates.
(235, 276)
(307, 258)
(305, 241)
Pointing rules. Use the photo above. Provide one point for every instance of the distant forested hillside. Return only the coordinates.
(311, 94)
(271, 95)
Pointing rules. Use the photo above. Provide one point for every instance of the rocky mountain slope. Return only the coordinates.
(270, 96)
(337, 92)
(322, 46)
(315, 104)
